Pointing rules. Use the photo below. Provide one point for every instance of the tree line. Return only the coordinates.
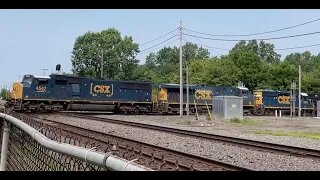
(4, 94)
(255, 63)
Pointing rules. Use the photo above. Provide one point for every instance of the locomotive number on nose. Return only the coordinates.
(41, 88)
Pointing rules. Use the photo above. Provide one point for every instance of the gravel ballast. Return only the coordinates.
(222, 127)
(240, 156)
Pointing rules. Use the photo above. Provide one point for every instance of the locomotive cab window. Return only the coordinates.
(27, 82)
(75, 88)
(61, 82)
(43, 82)
(245, 92)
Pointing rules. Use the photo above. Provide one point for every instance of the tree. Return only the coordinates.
(267, 53)
(254, 61)
(163, 66)
(249, 63)
(143, 73)
(118, 54)
(193, 52)
(311, 81)
(264, 50)
(305, 59)
(4, 93)
(215, 71)
(151, 61)
(282, 75)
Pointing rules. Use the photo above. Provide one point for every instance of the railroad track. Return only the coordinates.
(247, 143)
(157, 157)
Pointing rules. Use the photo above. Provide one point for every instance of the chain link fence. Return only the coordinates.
(25, 153)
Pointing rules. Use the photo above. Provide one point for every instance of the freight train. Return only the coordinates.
(69, 93)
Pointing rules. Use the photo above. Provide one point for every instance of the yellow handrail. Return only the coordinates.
(208, 111)
(195, 105)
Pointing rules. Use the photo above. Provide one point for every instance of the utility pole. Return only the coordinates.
(44, 71)
(291, 99)
(294, 98)
(6, 92)
(102, 64)
(299, 112)
(187, 90)
(181, 85)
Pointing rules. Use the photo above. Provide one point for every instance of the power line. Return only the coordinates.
(297, 47)
(212, 48)
(278, 49)
(252, 34)
(260, 39)
(158, 43)
(164, 45)
(158, 37)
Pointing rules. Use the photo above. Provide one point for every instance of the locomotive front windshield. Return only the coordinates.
(27, 80)
(245, 92)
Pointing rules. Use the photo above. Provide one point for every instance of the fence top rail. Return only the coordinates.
(107, 160)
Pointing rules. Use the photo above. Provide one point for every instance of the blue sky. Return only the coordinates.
(34, 39)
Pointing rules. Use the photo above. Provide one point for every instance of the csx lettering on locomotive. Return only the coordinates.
(203, 94)
(101, 89)
(284, 99)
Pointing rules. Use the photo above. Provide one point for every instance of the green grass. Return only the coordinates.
(245, 121)
(308, 135)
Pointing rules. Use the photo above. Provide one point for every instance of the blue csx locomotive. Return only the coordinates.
(267, 101)
(69, 93)
(60, 92)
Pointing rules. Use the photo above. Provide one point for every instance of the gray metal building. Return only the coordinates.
(227, 107)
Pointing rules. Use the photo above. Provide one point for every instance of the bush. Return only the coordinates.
(236, 120)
